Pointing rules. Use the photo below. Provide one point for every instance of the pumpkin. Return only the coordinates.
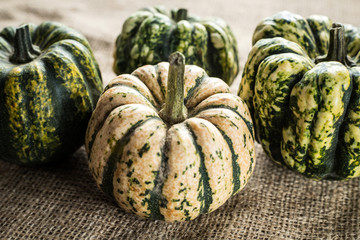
(149, 36)
(49, 85)
(302, 84)
(168, 142)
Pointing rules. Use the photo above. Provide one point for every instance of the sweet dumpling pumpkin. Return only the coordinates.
(169, 142)
(149, 36)
(49, 85)
(302, 85)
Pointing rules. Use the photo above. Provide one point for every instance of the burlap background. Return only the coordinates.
(61, 201)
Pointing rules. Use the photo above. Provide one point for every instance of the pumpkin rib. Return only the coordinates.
(55, 32)
(207, 194)
(127, 85)
(352, 36)
(150, 76)
(181, 188)
(67, 67)
(144, 39)
(281, 71)
(133, 82)
(108, 102)
(319, 128)
(218, 58)
(107, 185)
(47, 59)
(224, 106)
(261, 50)
(209, 86)
(5, 49)
(320, 26)
(161, 69)
(228, 123)
(199, 49)
(290, 26)
(112, 131)
(197, 83)
(157, 200)
(137, 172)
(40, 138)
(347, 149)
(217, 160)
(83, 55)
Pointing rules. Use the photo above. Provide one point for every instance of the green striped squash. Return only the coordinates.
(149, 36)
(49, 86)
(169, 142)
(302, 85)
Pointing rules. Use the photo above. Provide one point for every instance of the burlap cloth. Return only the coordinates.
(61, 200)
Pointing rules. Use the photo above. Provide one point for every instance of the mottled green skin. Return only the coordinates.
(150, 35)
(45, 104)
(306, 115)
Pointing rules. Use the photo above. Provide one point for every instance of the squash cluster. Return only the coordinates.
(166, 139)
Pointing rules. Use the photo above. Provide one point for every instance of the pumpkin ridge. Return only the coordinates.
(307, 160)
(84, 55)
(319, 25)
(67, 62)
(248, 124)
(162, 87)
(331, 174)
(155, 104)
(108, 174)
(157, 200)
(201, 48)
(55, 32)
(206, 198)
(281, 71)
(213, 56)
(235, 166)
(99, 124)
(348, 143)
(39, 130)
(198, 81)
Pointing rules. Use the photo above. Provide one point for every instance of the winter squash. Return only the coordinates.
(151, 34)
(169, 142)
(49, 85)
(302, 84)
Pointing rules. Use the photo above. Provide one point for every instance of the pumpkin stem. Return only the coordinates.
(174, 110)
(24, 50)
(181, 14)
(337, 47)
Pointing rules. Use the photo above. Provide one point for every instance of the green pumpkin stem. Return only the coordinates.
(24, 50)
(181, 15)
(337, 47)
(174, 110)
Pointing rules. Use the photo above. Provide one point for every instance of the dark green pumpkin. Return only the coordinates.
(49, 85)
(151, 34)
(302, 85)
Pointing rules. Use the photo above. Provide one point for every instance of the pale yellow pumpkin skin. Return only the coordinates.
(170, 172)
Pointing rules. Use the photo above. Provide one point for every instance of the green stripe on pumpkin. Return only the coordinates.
(248, 124)
(234, 157)
(116, 154)
(206, 196)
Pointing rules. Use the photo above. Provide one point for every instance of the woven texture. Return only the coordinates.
(61, 200)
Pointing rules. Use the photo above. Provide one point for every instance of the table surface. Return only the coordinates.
(61, 200)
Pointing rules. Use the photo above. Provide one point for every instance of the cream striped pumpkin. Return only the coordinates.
(170, 149)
